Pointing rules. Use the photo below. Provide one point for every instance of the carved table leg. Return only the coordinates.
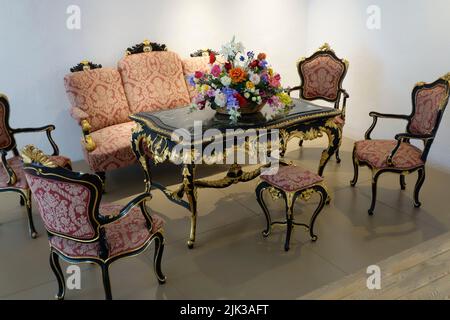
(191, 192)
(138, 139)
(334, 133)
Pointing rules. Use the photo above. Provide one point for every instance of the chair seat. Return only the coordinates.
(292, 178)
(113, 149)
(376, 152)
(16, 164)
(123, 236)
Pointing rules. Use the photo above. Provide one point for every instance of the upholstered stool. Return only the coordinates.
(291, 182)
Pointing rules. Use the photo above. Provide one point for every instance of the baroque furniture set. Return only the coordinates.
(132, 112)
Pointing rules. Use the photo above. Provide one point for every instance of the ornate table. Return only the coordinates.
(153, 139)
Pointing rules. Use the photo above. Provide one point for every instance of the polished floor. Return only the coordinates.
(231, 259)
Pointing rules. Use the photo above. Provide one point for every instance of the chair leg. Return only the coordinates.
(374, 192)
(419, 183)
(56, 268)
(338, 158)
(259, 192)
(159, 250)
(22, 202)
(356, 169)
(27, 200)
(323, 199)
(402, 182)
(300, 143)
(106, 282)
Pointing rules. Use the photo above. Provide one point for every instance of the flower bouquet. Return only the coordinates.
(243, 84)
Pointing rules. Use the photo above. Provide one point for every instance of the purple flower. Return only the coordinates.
(210, 93)
(263, 64)
(190, 79)
(250, 55)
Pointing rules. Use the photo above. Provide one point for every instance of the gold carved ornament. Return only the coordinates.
(31, 154)
(89, 143)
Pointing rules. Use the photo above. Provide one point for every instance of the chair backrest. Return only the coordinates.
(153, 79)
(98, 92)
(322, 75)
(7, 141)
(68, 202)
(429, 101)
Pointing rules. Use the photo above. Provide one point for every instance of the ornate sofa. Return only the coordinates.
(148, 78)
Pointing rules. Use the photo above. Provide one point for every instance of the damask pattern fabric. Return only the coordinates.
(154, 81)
(100, 94)
(122, 236)
(16, 164)
(321, 77)
(376, 152)
(292, 178)
(428, 101)
(78, 114)
(64, 206)
(5, 138)
(190, 66)
(113, 148)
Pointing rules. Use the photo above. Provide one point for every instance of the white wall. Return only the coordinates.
(411, 46)
(38, 50)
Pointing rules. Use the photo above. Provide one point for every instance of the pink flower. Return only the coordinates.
(215, 71)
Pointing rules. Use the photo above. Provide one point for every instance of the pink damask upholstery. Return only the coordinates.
(321, 77)
(127, 234)
(99, 93)
(5, 137)
(190, 65)
(154, 81)
(64, 206)
(292, 178)
(376, 152)
(427, 102)
(113, 148)
(16, 165)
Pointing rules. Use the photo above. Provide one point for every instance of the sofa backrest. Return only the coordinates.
(190, 66)
(100, 94)
(153, 81)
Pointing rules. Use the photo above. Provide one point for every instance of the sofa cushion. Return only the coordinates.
(154, 81)
(113, 149)
(190, 65)
(99, 93)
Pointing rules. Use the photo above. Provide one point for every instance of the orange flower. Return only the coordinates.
(262, 56)
(237, 75)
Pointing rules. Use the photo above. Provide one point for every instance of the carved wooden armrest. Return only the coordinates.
(89, 143)
(376, 115)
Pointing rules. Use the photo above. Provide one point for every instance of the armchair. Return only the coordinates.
(321, 77)
(83, 229)
(12, 177)
(399, 155)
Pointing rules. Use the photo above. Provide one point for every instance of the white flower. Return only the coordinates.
(256, 79)
(247, 95)
(230, 49)
(207, 104)
(220, 99)
(225, 80)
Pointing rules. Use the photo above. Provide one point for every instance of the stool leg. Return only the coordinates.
(323, 199)
(259, 196)
(289, 218)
